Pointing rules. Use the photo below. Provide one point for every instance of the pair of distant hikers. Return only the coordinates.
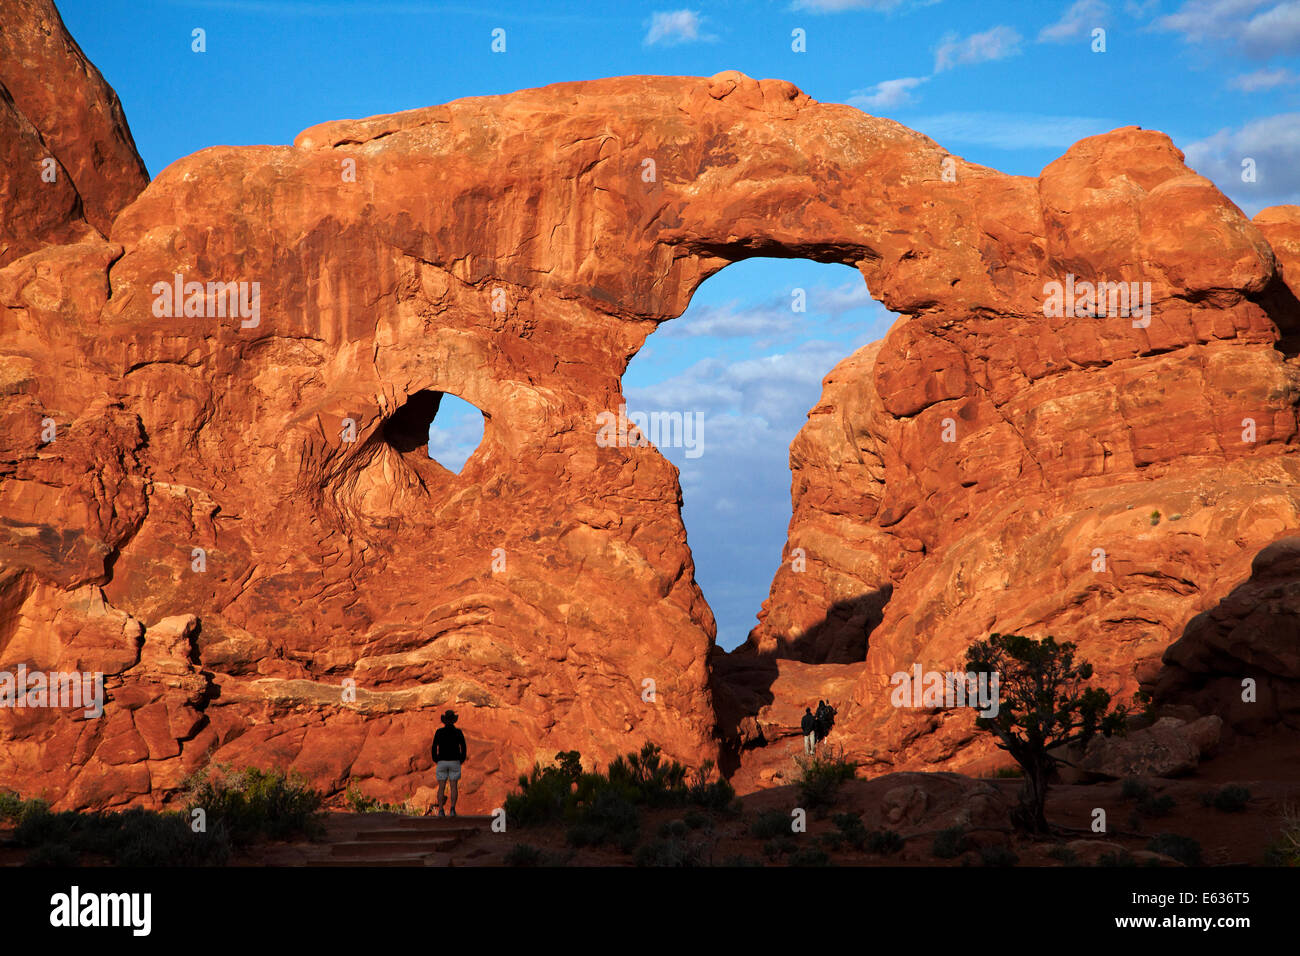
(449, 753)
(816, 727)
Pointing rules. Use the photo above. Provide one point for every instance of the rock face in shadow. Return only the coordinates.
(211, 496)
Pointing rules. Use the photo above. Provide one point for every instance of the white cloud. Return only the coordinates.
(1011, 130)
(1273, 142)
(1263, 79)
(669, 28)
(1259, 28)
(774, 317)
(1078, 21)
(771, 391)
(1140, 9)
(887, 94)
(995, 44)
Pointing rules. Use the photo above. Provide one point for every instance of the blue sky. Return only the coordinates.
(1007, 84)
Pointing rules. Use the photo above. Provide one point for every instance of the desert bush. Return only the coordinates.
(851, 829)
(658, 783)
(779, 846)
(821, 776)
(950, 843)
(53, 854)
(256, 804)
(1064, 854)
(770, 823)
(359, 803)
(673, 828)
(1153, 806)
(697, 820)
(1285, 849)
(134, 837)
(546, 794)
(998, 856)
(709, 794)
(674, 852)
(524, 854)
(1134, 788)
(610, 818)
(1183, 849)
(739, 859)
(1230, 799)
(884, 842)
(809, 856)
(14, 808)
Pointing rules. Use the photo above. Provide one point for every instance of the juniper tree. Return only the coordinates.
(1044, 704)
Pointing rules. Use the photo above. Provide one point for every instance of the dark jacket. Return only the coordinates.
(449, 744)
(808, 724)
(824, 719)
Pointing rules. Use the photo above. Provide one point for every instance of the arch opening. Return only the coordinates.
(747, 358)
(441, 426)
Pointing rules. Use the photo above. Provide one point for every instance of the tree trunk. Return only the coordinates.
(1032, 812)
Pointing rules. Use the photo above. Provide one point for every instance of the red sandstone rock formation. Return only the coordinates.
(258, 588)
(55, 107)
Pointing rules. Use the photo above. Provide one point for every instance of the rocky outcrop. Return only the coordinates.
(213, 489)
(69, 163)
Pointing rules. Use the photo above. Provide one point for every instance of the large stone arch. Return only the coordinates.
(329, 561)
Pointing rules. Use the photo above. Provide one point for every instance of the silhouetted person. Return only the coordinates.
(809, 727)
(823, 720)
(448, 754)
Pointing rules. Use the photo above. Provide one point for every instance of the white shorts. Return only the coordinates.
(448, 770)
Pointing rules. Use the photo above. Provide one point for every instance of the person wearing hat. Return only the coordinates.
(448, 754)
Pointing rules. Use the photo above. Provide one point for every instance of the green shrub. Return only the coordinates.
(709, 794)
(545, 795)
(851, 829)
(998, 856)
(1153, 806)
(1183, 849)
(53, 854)
(1155, 518)
(739, 859)
(1134, 788)
(602, 807)
(673, 852)
(673, 828)
(1285, 848)
(884, 842)
(770, 823)
(135, 837)
(834, 841)
(809, 856)
(657, 783)
(821, 776)
(610, 818)
(950, 843)
(779, 846)
(524, 854)
(253, 803)
(1064, 854)
(697, 820)
(1003, 773)
(1231, 799)
(359, 803)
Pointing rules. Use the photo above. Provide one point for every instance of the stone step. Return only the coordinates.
(378, 849)
(412, 833)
